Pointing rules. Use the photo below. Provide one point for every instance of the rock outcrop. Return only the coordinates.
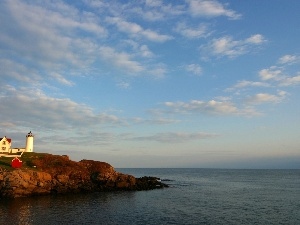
(53, 174)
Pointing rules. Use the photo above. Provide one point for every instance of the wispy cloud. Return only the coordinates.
(176, 137)
(289, 59)
(123, 85)
(137, 31)
(267, 98)
(145, 52)
(120, 59)
(32, 108)
(156, 10)
(61, 79)
(273, 77)
(154, 3)
(192, 32)
(12, 70)
(209, 107)
(138, 48)
(272, 73)
(42, 39)
(194, 68)
(255, 39)
(246, 83)
(159, 121)
(280, 74)
(228, 47)
(289, 81)
(210, 8)
(158, 71)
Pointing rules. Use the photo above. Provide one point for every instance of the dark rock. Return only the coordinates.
(58, 175)
(149, 183)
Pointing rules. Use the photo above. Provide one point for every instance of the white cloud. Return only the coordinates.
(61, 79)
(158, 71)
(32, 108)
(149, 12)
(288, 59)
(255, 39)
(17, 71)
(151, 15)
(41, 40)
(120, 59)
(267, 98)
(280, 74)
(246, 83)
(273, 73)
(192, 32)
(159, 121)
(226, 46)
(154, 36)
(139, 49)
(154, 3)
(123, 84)
(194, 68)
(211, 107)
(94, 3)
(145, 52)
(175, 137)
(289, 81)
(277, 74)
(124, 26)
(156, 10)
(136, 30)
(210, 8)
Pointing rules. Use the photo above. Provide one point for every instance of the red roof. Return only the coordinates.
(8, 139)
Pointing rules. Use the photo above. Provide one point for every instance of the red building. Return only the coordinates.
(16, 163)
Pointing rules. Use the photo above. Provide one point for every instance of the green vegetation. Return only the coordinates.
(27, 159)
(5, 162)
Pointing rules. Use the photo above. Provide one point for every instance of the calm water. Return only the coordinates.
(196, 196)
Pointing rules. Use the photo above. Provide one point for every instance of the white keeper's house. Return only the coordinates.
(7, 151)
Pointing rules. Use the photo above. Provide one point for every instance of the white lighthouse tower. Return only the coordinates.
(29, 142)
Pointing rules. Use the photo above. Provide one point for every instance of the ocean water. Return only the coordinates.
(195, 196)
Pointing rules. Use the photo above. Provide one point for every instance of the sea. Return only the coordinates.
(195, 196)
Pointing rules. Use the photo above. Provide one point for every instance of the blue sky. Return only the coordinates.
(151, 83)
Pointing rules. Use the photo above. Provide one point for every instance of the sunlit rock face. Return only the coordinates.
(54, 174)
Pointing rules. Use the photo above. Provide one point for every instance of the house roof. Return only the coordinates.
(8, 139)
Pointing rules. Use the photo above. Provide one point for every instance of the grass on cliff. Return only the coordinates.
(40, 162)
(27, 160)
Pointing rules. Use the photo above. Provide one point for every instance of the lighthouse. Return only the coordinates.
(29, 142)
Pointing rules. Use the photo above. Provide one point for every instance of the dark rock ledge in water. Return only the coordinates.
(43, 174)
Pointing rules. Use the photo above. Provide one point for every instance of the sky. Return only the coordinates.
(154, 83)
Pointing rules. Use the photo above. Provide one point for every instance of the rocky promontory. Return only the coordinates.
(43, 174)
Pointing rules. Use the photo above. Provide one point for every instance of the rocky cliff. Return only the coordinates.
(52, 174)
